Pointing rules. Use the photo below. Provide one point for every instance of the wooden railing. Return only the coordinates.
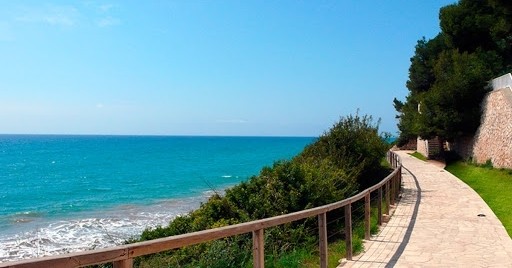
(122, 256)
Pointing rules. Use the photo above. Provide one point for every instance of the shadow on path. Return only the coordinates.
(408, 233)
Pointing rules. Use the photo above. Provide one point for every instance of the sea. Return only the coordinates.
(61, 194)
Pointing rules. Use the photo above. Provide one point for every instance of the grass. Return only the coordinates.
(493, 185)
(384, 163)
(419, 156)
(310, 259)
(336, 250)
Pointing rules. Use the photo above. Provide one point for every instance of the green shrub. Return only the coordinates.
(342, 160)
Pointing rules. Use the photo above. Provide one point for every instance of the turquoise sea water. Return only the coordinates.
(70, 193)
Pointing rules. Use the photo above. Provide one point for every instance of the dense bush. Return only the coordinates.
(329, 170)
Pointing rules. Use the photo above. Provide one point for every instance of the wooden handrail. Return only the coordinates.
(122, 256)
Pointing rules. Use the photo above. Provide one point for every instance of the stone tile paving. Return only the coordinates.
(436, 224)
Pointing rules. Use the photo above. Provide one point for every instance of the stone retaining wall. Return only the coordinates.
(422, 146)
(493, 139)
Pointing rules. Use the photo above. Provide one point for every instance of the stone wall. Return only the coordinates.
(410, 145)
(463, 146)
(422, 147)
(493, 139)
(431, 149)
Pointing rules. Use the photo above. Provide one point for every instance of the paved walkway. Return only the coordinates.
(436, 224)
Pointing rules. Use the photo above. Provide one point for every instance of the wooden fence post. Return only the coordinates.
(387, 198)
(397, 185)
(393, 191)
(258, 248)
(379, 206)
(348, 230)
(322, 229)
(367, 214)
(128, 263)
(400, 178)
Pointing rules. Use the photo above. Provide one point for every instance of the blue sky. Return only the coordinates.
(279, 68)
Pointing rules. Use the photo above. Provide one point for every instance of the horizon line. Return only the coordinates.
(160, 135)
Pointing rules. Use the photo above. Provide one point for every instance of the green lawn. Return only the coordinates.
(419, 156)
(493, 185)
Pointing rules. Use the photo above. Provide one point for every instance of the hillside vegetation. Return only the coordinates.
(334, 167)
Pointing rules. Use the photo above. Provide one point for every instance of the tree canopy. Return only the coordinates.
(449, 73)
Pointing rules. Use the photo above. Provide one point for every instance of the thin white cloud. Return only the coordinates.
(232, 121)
(106, 19)
(67, 16)
(108, 22)
(105, 7)
(64, 16)
(100, 105)
(59, 19)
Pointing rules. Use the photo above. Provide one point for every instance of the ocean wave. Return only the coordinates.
(25, 217)
(112, 228)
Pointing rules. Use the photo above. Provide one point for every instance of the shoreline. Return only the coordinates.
(91, 229)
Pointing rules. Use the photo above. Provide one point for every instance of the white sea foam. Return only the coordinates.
(111, 228)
